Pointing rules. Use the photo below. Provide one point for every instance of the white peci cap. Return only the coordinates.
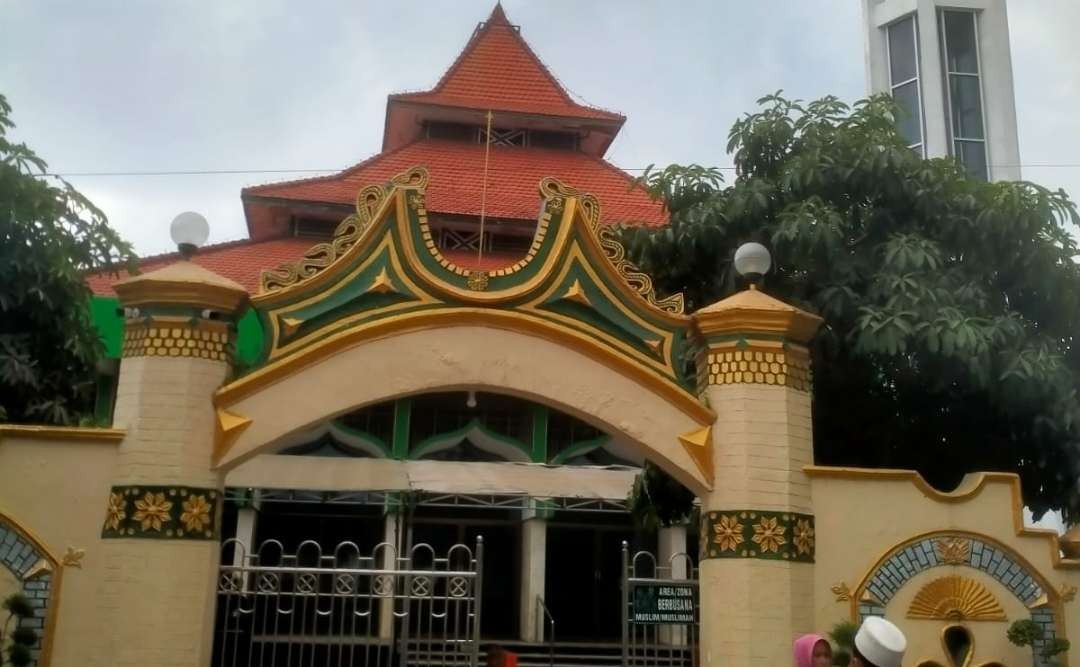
(880, 642)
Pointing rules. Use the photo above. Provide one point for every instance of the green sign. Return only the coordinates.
(657, 603)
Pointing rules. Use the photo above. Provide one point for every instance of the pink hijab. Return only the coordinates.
(804, 649)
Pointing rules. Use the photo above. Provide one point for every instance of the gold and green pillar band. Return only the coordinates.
(740, 533)
(162, 512)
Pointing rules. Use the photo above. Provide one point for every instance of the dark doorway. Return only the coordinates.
(584, 579)
(499, 594)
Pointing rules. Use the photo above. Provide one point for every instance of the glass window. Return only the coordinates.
(966, 107)
(972, 155)
(907, 96)
(960, 51)
(960, 36)
(904, 79)
(902, 49)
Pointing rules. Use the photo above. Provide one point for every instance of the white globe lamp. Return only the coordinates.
(752, 261)
(189, 232)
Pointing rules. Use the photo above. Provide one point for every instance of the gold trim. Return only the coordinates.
(1067, 593)
(576, 293)
(841, 591)
(698, 444)
(145, 290)
(73, 557)
(65, 433)
(760, 362)
(754, 312)
(385, 245)
(576, 253)
(352, 236)
(418, 321)
(229, 428)
(382, 284)
(177, 337)
(49, 628)
(955, 598)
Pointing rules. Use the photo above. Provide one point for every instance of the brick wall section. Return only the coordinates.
(752, 608)
(165, 405)
(19, 557)
(157, 596)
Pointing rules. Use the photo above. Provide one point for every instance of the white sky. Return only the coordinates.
(138, 85)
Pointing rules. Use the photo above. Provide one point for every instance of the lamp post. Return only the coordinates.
(753, 261)
(189, 232)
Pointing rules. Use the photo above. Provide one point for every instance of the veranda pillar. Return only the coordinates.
(164, 506)
(757, 533)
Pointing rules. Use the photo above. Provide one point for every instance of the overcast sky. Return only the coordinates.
(126, 85)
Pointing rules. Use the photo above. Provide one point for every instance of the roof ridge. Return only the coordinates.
(498, 18)
(625, 174)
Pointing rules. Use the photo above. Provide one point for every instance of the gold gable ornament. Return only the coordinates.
(955, 598)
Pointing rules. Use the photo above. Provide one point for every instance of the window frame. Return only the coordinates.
(947, 75)
(920, 146)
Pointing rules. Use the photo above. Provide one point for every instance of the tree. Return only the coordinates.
(50, 236)
(16, 643)
(950, 304)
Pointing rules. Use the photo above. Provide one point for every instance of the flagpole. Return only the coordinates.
(483, 191)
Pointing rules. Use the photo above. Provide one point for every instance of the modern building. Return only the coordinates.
(948, 64)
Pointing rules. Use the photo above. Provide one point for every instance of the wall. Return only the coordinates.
(53, 483)
(863, 514)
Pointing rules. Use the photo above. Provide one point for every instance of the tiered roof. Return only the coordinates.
(497, 72)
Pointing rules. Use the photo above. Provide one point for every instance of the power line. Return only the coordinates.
(212, 172)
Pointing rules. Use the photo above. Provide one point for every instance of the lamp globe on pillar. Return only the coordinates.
(189, 232)
(752, 261)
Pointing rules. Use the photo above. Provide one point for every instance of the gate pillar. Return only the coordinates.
(161, 524)
(757, 533)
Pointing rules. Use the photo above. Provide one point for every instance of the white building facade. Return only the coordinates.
(948, 64)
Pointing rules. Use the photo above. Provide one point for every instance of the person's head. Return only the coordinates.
(812, 651)
(878, 643)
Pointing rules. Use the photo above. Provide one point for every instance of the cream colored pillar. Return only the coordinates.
(671, 553)
(533, 572)
(757, 533)
(160, 535)
(388, 560)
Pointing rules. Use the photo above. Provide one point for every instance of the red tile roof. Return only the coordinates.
(457, 171)
(498, 71)
(242, 261)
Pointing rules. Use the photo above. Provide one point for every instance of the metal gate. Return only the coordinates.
(347, 609)
(661, 611)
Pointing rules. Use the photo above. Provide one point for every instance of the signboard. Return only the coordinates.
(663, 603)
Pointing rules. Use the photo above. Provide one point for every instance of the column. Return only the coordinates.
(388, 555)
(532, 622)
(757, 532)
(163, 510)
(671, 552)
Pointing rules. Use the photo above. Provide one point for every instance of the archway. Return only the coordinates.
(31, 569)
(596, 390)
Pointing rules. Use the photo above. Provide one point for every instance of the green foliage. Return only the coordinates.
(1027, 632)
(843, 638)
(656, 500)
(50, 235)
(16, 643)
(950, 304)
(1055, 646)
(1024, 632)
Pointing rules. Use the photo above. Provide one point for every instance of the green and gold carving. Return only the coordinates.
(177, 337)
(758, 534)
(162, 512)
